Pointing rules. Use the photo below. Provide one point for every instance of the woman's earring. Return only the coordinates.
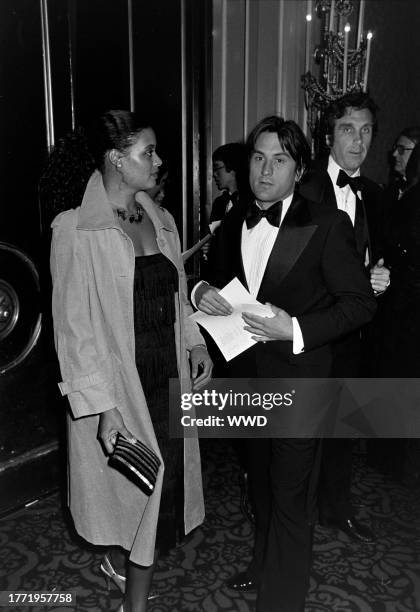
(119, 164)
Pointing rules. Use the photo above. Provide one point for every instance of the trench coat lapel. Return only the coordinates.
(96, 210)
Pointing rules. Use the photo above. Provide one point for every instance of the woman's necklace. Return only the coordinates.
(135, 217)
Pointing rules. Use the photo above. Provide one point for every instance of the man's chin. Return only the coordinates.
(264, 195)
(355, 162)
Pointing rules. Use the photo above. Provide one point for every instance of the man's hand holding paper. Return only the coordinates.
(221, 315)
(278, 326)
(210, 301)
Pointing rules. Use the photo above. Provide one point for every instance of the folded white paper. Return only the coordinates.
(228, 331)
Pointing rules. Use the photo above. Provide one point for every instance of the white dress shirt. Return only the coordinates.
(346, 199)
(256, 246)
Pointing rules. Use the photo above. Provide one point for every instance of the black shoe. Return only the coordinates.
(242, 582)
(351, 527)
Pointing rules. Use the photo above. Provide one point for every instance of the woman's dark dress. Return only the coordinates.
(155, 283)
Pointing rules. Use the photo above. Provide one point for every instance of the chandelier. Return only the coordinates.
(343, 56)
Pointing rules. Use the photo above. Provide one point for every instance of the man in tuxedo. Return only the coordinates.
(230, 173)
(336, 182)
(300, 257)
(230, 167)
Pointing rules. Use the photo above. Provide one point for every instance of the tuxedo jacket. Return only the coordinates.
(317, 186)
(314, 273)
(218, 209)
(351, 356)
(396, 329)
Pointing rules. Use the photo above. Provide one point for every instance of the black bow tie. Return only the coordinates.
(355, 182)
(234, 197)
(272, 214)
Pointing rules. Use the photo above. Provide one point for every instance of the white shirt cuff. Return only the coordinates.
(298, 345)
(193, 292)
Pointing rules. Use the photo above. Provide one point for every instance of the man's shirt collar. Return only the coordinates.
(334, 169)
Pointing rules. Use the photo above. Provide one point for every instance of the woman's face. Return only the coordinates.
(140, 162)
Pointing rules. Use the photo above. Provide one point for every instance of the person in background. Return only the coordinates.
(230, 170)
(158, 192)
(401, 152)
(397, 325)
(337, 183)
(230, 173)
(122, 329)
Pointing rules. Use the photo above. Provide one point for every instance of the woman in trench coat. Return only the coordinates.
(93, 259)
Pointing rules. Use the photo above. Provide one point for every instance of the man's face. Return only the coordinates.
(352, 138)
(223, 178)
(402, 151)
(272, 170)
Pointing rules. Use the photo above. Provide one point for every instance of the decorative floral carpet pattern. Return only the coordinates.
(40, 552)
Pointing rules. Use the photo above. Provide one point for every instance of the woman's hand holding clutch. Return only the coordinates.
(201, 366)
(111, 423)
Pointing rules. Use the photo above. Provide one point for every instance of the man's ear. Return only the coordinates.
(114, 158)
(329, 140)
(299, 174)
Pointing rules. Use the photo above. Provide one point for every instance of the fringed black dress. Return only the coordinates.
(155, 284)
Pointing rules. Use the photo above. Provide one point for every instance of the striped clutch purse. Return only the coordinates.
(137, 462)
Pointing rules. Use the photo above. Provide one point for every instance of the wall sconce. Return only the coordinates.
(343, 56)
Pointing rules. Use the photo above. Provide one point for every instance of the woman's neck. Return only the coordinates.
(118, 196)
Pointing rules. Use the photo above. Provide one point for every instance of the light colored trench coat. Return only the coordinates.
(92, 266)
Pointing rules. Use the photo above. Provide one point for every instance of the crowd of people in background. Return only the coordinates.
(335, 255)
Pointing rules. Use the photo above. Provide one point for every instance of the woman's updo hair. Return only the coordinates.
(79, 153)
(115, 129)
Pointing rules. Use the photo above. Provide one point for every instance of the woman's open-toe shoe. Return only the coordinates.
(111, 574)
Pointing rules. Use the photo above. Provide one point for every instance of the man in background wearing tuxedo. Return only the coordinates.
(230, 167)
(336, 182)
(300, 257)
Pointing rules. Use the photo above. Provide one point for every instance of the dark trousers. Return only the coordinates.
(335, 478)
(337, 453)
(282, 479)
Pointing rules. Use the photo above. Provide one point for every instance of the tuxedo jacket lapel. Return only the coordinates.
(295, 232)
(361, 228)
(361, 224)
(235, 239)
(318, 186)
(369, 212)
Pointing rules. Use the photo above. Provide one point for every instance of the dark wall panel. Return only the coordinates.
(394, 74)
(100, 57)
(22, 122)
(158, 81)
(60, 19)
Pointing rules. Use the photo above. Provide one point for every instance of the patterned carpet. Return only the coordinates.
(39, 551)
